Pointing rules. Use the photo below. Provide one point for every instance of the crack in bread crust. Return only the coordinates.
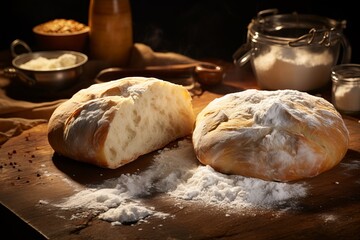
(281, 135)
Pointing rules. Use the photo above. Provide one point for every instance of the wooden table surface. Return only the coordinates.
(30, 172)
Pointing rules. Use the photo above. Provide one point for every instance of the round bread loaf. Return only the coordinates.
(281, 135)
(113, 123)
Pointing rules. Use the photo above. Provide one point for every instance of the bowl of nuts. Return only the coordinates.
(62, 34)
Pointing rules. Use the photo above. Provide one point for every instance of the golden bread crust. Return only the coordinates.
(281, 135)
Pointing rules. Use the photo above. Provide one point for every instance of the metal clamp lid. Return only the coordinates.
(283, 29)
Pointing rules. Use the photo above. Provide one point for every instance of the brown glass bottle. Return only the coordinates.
(111, 35)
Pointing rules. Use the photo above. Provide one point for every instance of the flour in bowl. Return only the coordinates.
(42, 63)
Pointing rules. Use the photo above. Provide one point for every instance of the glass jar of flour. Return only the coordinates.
(293, 51)
(346, 88)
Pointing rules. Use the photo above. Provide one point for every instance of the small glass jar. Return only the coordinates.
(346, 88)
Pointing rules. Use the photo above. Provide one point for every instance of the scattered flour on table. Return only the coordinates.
(355, 164)
(177, 173)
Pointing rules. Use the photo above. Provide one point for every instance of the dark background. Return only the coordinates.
(196, 28)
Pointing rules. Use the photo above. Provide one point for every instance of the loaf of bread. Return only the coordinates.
(113, 123)
(281, 135)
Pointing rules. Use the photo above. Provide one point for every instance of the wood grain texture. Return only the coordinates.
(30, 172)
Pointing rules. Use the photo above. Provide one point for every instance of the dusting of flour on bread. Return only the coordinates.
(278, 135)
(113, 123)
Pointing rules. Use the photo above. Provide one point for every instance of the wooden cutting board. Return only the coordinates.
(30, 172)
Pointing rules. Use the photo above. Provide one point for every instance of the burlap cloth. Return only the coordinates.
(17, 115)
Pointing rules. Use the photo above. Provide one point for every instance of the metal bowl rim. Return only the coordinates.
(84, 59)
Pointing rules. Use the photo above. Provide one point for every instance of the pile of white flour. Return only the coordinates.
(176, 172)
(42, 63)
(293, 68)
